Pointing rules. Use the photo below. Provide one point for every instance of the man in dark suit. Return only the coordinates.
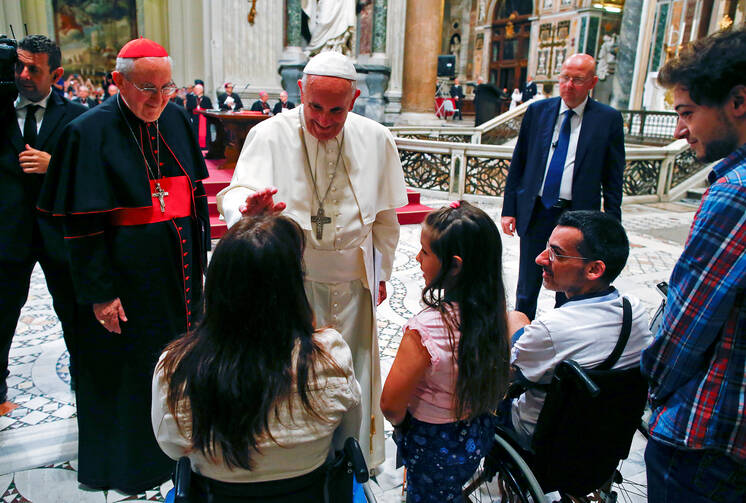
(31, 129)
(457, 93)
(83, 98)
(234, 103)
(283, 104)
(568, 150)
(261, 104)
(529, 90)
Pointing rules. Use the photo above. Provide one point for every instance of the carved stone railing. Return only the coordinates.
(501, 129)
(649, 127)
(460, 169)
(453, 134)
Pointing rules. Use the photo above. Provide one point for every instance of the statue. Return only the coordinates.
(331, 23)
(606, 57)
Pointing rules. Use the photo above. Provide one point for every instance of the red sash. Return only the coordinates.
(178, 204)
(201, 128)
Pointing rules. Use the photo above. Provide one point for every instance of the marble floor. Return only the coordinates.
(38, 438)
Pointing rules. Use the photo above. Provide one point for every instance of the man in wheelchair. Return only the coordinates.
(585, 253)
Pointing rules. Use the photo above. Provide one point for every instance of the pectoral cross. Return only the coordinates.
(320, 220)
(160, 193)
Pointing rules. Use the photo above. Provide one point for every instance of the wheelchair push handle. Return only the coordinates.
(354, 454)
(572, 367)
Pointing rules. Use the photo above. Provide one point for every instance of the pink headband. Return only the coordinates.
(455, 204)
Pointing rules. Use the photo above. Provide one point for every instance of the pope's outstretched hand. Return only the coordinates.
(261, 202)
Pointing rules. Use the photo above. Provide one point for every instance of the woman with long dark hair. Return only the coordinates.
(255, 393)
(451, 369)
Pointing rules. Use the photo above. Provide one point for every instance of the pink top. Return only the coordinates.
(432, 401)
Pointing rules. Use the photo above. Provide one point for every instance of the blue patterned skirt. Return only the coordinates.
(441, 458)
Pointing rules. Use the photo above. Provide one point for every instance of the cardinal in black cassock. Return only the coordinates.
(126, 183)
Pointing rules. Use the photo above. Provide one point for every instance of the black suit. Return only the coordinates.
(599, 164)
(261, 106)
(529, 91)
(458, 95)
(278, 107)
(237, 105)
(89, 102)
(26, 237)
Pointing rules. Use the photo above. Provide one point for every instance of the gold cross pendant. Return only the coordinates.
(159, 194)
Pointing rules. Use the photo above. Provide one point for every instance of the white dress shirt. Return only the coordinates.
(576, 121)
(22, 102)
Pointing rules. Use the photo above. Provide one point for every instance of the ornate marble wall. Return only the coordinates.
(243, 53)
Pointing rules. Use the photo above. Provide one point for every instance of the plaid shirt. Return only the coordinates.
(697, 360)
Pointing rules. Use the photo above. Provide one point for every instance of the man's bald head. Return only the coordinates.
(264, 96)
(577, 78)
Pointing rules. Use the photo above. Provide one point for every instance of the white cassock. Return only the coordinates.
(363, 195)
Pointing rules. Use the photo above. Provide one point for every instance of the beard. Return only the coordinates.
(724, 144)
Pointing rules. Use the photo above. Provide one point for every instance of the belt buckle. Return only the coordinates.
(561, 204)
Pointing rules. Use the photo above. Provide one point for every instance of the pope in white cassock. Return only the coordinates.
(339, 176)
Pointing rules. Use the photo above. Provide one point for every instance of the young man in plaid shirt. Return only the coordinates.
(697, 447)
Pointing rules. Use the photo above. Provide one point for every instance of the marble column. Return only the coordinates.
(293, 59)
(627, 54)
(396, 14)
(379, 26)
(422, 41)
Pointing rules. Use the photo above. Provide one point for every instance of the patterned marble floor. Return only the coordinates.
(38, 439)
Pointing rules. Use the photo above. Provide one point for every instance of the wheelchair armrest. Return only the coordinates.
(515, 389)
(182, 480)
(567, 367)
(355, 457)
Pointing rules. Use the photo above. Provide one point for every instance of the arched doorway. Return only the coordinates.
(511, 31)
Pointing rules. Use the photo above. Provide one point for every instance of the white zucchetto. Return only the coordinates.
(331, 64)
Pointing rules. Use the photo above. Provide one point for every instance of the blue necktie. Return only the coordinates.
(550, 195)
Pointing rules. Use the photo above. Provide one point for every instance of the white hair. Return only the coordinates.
(125, 66)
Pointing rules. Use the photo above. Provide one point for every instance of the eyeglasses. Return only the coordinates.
(553, 256)
(166, 90)
(576, 81)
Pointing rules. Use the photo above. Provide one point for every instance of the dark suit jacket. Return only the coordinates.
(278, 107)
(457, 92)
(529, 91)
(89, 102)
(260, 106)
(221, 101)
(599, 161)
(19, 191)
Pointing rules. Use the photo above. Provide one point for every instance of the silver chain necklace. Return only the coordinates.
(319, 219)
(159, 192)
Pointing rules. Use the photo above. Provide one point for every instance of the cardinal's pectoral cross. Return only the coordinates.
(160, 193)
(320, 220)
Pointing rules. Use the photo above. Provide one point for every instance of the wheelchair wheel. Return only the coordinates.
(630, 482)
(515, 481)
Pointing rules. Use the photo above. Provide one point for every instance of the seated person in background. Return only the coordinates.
(255, 393)
(261, 104)
(229, 100)
(586, 251)
(452, 365)
(83, 97)
(283, 104)
(111, 91)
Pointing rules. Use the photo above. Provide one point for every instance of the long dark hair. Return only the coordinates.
(235, 368)
(483, 351)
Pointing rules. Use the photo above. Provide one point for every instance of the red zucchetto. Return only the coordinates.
(142, 48)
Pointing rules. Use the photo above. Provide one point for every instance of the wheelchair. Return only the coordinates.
(332, 482)
(585, 428)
